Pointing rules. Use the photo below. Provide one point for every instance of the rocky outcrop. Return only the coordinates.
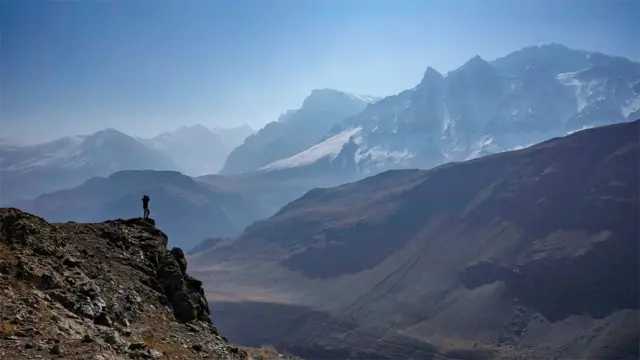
(108, 290)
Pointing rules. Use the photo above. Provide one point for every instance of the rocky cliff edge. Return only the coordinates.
(100, 291)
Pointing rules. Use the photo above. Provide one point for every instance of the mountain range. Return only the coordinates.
(530, 253)
(31, 170)
(517, 237)
(187, 210)
(483, 107)
(480, 108)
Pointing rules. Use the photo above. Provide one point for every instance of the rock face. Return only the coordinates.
(107, 290)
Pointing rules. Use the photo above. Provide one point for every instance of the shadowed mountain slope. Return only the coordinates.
(188, 211)
(531, 253)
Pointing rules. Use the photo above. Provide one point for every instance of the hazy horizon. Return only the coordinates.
(144, 68)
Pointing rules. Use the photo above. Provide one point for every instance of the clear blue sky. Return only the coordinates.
(145, 66)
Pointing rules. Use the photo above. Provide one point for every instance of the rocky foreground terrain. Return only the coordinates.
(101, 291)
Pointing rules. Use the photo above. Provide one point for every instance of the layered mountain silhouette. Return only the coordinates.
(480, 108)
(268, 192)
(197, 149)
(29, 171)
(530, 253)
(187, 210)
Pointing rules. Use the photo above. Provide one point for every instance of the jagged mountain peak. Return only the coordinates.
(328, 98)
(476, 62)
(474, 66)
(296, 130)
(430, 76)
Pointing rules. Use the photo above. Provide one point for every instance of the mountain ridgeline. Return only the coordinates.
(295, 130)
(480, 108)
(528, 254)
(28, 171)
(189, 210)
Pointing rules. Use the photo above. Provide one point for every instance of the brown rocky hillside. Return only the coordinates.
(100, 291)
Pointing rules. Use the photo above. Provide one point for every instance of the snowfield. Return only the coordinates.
(329, 148)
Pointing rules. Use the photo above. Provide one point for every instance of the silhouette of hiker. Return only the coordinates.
(145, 206)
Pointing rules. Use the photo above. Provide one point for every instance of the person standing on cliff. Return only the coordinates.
(145, 206)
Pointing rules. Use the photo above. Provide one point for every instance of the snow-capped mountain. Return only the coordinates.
(295, 130)
(480, 108)
(29, 171)
(197, 149)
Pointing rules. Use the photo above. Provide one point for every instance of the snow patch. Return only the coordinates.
(580, 129)
(632, 106)
(569, 80)
(379, 155)
(486, 145)
(365, 98)
(329, 148)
